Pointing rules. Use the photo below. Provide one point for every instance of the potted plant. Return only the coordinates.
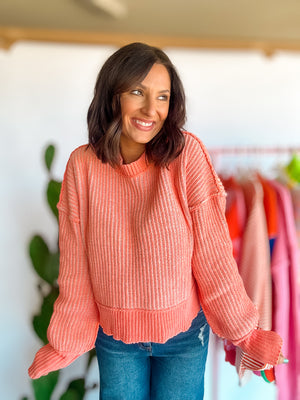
(46, 264)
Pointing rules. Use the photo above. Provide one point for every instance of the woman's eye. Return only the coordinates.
(163, 97)
(137, 92)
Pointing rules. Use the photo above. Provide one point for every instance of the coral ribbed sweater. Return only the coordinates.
(141, 248)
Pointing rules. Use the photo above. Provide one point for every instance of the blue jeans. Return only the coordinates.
(142, 371)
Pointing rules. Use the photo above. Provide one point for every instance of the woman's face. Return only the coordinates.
(144, 109)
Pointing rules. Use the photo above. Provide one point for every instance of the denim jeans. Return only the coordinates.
(142, 371)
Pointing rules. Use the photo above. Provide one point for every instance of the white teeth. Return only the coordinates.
(143, 123)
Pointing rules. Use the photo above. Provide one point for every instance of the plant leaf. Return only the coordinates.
(49, 156)
(45, 385)
(75, 391)
(41, 321)
(51, 268)
(70, 394)
(44, 262)
(53, 192)
(39, 252)
(293, 168)
(79, 386)
(91, 355)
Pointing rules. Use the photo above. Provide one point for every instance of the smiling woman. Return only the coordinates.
(136, 86)
(146, 263)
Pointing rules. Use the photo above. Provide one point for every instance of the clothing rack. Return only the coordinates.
(230, 160)
(253, 150)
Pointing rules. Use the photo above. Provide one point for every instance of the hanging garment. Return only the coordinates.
(254, 267)
(295, 192)
(235, 214)
(286, 314)
(270, 207)
(296, 206)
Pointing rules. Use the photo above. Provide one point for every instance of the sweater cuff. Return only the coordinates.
(47, 360)
(263, 346)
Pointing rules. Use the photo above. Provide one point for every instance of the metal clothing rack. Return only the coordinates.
(252, 150)
(244, 160)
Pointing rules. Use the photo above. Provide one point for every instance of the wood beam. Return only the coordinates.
(10, 35)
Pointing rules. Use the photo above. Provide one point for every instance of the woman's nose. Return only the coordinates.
(149, 106)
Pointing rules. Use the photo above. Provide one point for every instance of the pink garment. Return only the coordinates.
(254, 266)
(296, 206)
(286, 316)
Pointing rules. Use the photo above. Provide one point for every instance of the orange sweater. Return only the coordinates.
(141, 248)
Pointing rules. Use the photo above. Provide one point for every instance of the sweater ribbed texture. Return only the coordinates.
(140, 247)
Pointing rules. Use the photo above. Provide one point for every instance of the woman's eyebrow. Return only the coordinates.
(145, 87)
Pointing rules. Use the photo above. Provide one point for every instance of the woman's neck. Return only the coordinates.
(131, 154)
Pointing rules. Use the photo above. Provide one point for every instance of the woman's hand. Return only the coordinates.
(282, 359)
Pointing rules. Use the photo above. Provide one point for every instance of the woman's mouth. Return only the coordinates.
(142, 123)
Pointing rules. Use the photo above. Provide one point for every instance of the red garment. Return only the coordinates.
(235, 214)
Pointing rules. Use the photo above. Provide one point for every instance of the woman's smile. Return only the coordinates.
(142, 124)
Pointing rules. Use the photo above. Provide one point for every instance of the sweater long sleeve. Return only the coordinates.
(75, 314)
(229, 311)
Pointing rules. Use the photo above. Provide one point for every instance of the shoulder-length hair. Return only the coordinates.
(122, 70)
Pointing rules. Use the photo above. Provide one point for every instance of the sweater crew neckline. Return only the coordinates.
(134, 168)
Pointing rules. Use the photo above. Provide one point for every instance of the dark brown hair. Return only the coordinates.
(123, 69)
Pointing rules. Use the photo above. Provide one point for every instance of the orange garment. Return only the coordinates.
(141, 246)
(270, 206)
(235, 214)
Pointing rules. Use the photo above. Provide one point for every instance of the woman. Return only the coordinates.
(146, 259)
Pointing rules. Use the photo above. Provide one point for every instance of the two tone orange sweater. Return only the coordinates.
(141, 248)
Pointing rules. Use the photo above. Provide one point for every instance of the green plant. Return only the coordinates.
(293, 169)
(46, 264)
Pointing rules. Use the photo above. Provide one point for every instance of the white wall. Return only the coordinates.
(234, 98)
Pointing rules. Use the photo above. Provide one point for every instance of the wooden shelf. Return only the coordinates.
(11, 35)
